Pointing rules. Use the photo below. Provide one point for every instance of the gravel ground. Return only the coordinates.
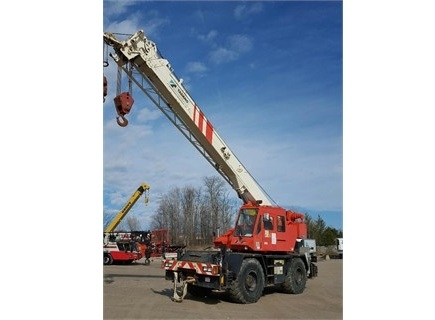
(139, 291)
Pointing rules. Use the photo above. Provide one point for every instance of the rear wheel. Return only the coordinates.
(296, 277)
(107, 259)
(249, 284)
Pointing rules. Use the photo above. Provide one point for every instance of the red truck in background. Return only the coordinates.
(126, 247)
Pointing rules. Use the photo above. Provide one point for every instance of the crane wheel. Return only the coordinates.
(107, 259)
(296, 277)
(249, 284)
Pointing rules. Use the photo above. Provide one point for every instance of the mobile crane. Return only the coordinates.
(266, 246)
(130, 203)
(121, 247)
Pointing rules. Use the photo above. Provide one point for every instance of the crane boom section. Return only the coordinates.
(143, 55)
(130, 203)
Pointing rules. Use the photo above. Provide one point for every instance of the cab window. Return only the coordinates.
(245, 224)
(268, 222)
(280, 224)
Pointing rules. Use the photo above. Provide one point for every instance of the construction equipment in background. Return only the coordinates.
(123, 247)
(339, 246)
(143, 188)
(126, 247)
(311, 245)
(162, 247)
(265, 247)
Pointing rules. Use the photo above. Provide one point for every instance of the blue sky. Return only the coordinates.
(268, 75)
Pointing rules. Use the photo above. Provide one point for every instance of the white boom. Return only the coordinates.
(158, 81)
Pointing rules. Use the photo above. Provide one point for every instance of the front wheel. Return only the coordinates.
(296, 277)
(107, 259)
(249, 284)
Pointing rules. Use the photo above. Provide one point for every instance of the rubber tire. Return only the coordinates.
(296, 277)
(249, 285)
(196, 291)
(107, 259)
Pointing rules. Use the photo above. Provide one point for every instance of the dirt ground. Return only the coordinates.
(139, 291)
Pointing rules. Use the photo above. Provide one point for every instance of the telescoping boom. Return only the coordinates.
(169, 94)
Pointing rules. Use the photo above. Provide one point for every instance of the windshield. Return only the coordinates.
(245, 223)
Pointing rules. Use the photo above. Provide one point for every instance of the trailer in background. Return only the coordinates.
(311, 243)
(339, 244)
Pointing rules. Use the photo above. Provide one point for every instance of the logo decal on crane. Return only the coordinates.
(181, 94)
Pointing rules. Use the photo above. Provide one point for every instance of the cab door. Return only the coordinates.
(267, 232)
(273, 232)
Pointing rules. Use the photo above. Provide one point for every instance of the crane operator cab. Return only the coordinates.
(267, 229)
(246, 223)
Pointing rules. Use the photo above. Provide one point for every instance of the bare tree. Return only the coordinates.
(189, 205)
(229, 209)
(168, 214)
(193, 215)
(107, 218)
(133, 223)
(122, 226)
(219, 209)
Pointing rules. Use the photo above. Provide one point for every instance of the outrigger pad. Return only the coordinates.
(183, 287)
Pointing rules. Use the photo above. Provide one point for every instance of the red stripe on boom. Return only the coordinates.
(197, 114)
(209, 132)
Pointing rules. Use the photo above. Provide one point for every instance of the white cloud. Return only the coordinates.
(243, 10)
(150, 22)
(111, 8)
(196, 67)
(222, 55)
(209, 37)
(146, 114)
(153, 22)
(199, 14)
(240, 43)
(128, 26)
(236, 45)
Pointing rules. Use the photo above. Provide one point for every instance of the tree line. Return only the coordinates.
(196, 215)
(318, 230)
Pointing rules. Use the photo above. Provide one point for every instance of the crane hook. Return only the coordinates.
(123, 104)
(122, 123)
